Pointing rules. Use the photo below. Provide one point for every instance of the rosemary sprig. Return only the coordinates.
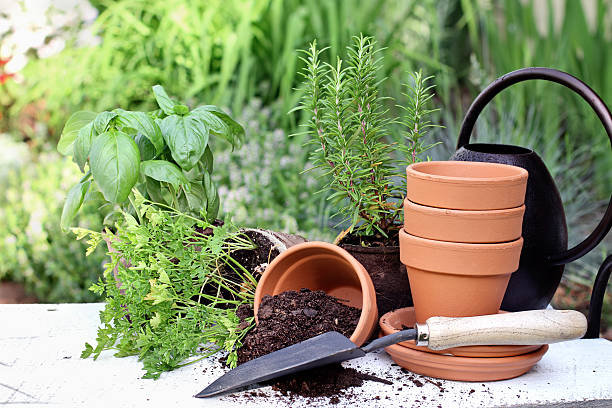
(350, 127)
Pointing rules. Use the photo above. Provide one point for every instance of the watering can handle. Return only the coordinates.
(576, 85)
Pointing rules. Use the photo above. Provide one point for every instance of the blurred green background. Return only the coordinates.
(241, 55)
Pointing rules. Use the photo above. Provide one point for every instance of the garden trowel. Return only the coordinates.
(438, 333)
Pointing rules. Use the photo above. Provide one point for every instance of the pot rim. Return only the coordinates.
(517, 175)
(460, 246)
(368, 308)
(447, 212)
(386, 249)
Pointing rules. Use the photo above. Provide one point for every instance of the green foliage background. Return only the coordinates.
(33, 249)
(241, 54)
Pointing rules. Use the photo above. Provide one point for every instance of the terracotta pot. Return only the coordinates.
(484, 226)
(322, 266)
(462, 185)
(450, 367)
(457, 279)
(387, 273)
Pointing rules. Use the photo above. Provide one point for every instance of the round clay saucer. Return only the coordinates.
(449, 367)
(395, 320)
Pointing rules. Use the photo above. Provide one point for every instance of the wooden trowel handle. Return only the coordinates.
(526, 328)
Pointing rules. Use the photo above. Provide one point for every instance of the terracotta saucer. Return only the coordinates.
(449, 367)
(394, 321)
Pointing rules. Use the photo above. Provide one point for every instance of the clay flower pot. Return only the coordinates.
(463, 185)
(322, 266)
(484, 226)
(457, 279)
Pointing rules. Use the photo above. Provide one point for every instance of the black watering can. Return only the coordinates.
(545, 250)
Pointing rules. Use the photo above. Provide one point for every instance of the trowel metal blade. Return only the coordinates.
(327, 348)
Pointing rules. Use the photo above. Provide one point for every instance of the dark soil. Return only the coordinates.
(251, 259)
(292, 317)
(380, 257)
(371, 241)
(263, 254)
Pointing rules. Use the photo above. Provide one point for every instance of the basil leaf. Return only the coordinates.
(145, 125)
(93, 196)
(101, 121)
(196, 197)
(114, 161)
(163, 100)
(195, 174)
(162, 170)
(155, 192)
(212, 197)
(180, 109)
(187, 137)
(111, 218)
(207, 160)
(71, 130)
(221, 124)
(145, 147)
(82, 145)
(74, 200)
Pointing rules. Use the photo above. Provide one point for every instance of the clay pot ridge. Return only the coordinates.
(323, 266)
(467, 226)
(466, 185)
(458, 172)
(458, 257)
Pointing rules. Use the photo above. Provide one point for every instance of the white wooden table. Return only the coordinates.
(40, 365)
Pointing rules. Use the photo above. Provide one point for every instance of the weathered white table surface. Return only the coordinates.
(40, 365)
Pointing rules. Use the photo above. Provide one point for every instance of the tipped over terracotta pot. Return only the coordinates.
(323, 266)
(462, 185)
(457, 279)
(469, 226)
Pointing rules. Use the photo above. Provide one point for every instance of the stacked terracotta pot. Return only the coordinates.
(461, 239)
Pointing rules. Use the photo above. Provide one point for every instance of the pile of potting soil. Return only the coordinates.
(292, 317)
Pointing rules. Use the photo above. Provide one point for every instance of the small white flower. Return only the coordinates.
(53, 47)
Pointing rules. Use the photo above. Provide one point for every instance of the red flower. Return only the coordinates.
(4, 61)
(4, 77)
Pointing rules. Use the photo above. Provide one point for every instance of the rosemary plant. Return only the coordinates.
(179, 294)
(350, 128)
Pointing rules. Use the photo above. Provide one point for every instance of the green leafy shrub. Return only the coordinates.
(33, 249)
(222, 51)
(163, 153)
(181, 288)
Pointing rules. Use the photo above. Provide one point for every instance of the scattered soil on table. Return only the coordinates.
(292, 317)
(380, 257)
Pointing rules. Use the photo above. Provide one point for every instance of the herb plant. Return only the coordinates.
(350, 126)
(179, 293)
(164, 154)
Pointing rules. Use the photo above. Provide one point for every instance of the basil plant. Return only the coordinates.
(164, 154)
